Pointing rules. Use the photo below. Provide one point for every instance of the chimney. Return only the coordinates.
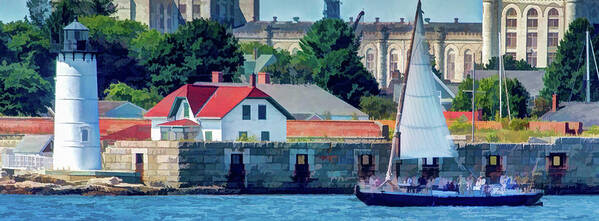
(217, 77)
(427, 20)
(263, 78)
(252, 80)
(455, 20)
(377, 19)
(296, 19)
(402, 20)
(554, 103)
(274, 18)
(351, 19)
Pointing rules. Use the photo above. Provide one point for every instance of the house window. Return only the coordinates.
(183, 10)
(366, 160)
(185, 110)
(557, 159)
(533, 21)
(243, 135)
(468, 62)
(552, 39)
(393, 61)
(265, 136)
(433, 163)
(493, 160)
(164, 133)
(450, 65)
(370, 61)
(208, 135)
(197, 7)
(246, 112)
(84, 134)
(511, 21)
(531, 58)
(301, 159)
(261, 112)
(553, 21)
(550, 57)
(531, 40)
(511, 54)
(510, 40)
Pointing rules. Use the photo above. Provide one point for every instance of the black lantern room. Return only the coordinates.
(76, 37)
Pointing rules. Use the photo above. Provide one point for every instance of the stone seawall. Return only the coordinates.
(335, 167)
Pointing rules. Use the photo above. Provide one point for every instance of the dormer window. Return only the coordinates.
(185, 110)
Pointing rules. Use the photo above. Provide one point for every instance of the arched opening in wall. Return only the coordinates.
(552, 34)
(450, 70)
(468, 63)
(531, 36)
(393, 61)
(511, 19)
(370, 61)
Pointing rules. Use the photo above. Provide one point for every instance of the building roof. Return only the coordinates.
(366, 27)
(210, 101)
(575, 112)
(182, 122)
(75, 25)
(119, 109)
(34, 144)
(531, 80)
(252, 65)
(135, 132)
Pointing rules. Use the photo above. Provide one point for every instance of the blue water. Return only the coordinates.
(274, 207)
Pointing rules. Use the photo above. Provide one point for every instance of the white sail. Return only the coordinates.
(424, 132)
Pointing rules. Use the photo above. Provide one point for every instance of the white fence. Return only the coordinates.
(26, 161)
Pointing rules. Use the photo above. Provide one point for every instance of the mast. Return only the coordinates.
(588, 99)
(500, 64)
(395, 145)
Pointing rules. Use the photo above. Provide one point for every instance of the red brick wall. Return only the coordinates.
(454, 115)
(333, 128)
(45, 125)
(557, 127)
(26, 125)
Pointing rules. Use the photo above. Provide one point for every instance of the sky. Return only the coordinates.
(311, 10)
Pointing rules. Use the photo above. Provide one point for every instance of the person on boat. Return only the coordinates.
(478, 184)
(469, 184)
(461, 185)
(429, 185)
(436, 183)
(421, 183)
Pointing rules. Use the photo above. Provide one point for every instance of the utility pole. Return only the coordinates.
(473, 94)
(588, 100)
(500, 63)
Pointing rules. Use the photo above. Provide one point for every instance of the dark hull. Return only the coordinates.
(409, 199)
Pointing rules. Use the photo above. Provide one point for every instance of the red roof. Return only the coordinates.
(135, 132)
(182, 122)
(206, 100)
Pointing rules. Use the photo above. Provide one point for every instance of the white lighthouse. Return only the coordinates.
(76, 130)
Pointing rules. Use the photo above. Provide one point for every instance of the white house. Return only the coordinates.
(218, 113)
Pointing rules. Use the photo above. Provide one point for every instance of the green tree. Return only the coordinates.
(565, 75)
(248, 48)
(141, 97)
(113, 38)
(23, 91)
(378, 108)
(489, 100)
(29, 45)
(39, 11)
(509, 63)
(184, 57)
(463, 100)
(332, 45)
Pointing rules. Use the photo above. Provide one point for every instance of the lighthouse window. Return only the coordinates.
(84, 134)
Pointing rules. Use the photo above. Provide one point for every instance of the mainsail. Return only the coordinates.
(424, 132)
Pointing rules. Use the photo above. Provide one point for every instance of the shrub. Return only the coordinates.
(461, 126)
(518, 124)
(492, 137)
(593, 130)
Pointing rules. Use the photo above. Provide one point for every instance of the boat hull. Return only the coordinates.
(411, 199)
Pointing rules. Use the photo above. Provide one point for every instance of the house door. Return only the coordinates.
(302, 168)
(236, 177)
(430, 169)
(139, 165)
(494, 169)
(366, 167)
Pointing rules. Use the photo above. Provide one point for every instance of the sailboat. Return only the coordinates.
(422, 133)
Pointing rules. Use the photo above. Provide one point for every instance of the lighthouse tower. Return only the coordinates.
(76, 130)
